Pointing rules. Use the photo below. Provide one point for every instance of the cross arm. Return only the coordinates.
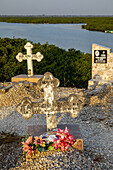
(75, 105)
(38, 56)
(20, 57)
(27, 108)
(72, 105)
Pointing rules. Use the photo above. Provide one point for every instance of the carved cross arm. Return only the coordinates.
(20, 57)
(72, 105)
(38, 56)
(27, 108)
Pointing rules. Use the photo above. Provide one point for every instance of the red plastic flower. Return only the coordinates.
(63, 140)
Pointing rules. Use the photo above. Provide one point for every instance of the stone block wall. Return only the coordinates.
(101, 72)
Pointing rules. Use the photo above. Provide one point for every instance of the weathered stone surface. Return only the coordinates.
(99, 95)
(48, 83)
(49, 106)
(16, 93)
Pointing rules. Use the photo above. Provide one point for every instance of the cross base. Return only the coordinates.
(37, 130)
(24, 77)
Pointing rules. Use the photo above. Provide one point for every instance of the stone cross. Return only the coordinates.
(50, 106)
(29, 57)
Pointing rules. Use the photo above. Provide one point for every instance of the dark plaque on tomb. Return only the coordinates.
(100, 56)
(36, 130)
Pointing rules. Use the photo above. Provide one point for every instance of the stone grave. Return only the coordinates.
(50, 107)
(29, 57)
(4, 89)
(102, 66)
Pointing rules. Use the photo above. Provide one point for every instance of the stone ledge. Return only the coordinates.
(94, 82)
(24, 77)
(3, 90)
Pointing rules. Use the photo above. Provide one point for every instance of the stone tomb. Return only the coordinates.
(102, 66)
(74, 130)
(50, 107)
(29, 57)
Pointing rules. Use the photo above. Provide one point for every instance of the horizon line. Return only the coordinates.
(63, 15)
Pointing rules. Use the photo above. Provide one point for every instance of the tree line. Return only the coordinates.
(92, 23)
(71, 67)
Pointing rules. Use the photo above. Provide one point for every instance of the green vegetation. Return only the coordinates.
(93, 23)
(72, 67)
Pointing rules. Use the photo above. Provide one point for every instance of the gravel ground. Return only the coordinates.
(96, 127)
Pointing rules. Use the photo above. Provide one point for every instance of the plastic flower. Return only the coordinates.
(29, 140)
(63, 140)
(39, 140)
(51, 138)
(27, 148)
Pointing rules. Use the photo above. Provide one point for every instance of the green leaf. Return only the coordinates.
(58, 149)
(50, 143)
(25, 153)
(50, 148)
(43, 145)
(39, 149)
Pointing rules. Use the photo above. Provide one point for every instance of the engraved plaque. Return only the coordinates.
(100, 56)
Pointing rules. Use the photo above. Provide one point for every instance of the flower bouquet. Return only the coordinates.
(60, 141)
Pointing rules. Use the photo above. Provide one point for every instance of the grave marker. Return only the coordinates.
(50, 106)
(29, 57)
(102, 66)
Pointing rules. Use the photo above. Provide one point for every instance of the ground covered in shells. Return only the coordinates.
(96, 125)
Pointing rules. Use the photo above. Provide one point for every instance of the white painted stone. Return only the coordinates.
(29, 57)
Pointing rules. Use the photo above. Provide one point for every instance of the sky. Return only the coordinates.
(56, 7)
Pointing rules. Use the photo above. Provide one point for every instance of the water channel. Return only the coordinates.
(65, 36)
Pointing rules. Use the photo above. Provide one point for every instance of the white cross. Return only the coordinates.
(29, 57)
